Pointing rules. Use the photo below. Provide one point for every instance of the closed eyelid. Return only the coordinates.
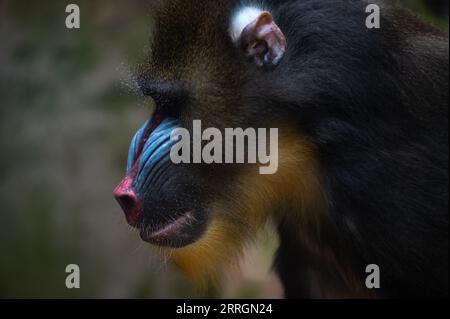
(151, 87)
(168, 97)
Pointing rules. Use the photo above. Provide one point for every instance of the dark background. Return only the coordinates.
(67, 114)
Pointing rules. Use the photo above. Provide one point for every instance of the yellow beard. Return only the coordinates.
(295, 189)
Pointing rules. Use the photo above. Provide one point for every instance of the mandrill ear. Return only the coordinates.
(261, 39)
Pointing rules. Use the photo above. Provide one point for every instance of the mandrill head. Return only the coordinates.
(199, 68)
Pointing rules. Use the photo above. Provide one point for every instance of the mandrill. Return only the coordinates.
(362, 116)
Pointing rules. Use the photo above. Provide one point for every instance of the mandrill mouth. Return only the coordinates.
(146, 196)
(174, 234)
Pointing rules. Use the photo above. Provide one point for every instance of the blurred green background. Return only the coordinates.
(67, 115)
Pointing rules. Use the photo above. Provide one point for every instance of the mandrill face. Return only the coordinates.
(198, 78)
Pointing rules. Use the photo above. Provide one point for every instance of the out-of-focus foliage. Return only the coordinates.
(67, 114)
(434, 11)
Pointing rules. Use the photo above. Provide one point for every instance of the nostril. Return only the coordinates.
(129, 202)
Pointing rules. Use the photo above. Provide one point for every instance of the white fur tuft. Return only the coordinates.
(241, 19)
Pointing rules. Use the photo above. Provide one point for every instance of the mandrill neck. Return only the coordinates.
(311, 262)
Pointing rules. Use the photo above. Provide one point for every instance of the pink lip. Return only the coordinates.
(168, 230)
